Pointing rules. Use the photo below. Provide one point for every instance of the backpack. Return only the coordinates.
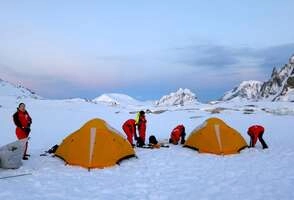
(153, 140)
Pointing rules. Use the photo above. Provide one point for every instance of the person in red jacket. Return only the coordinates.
(141, 128)
(256, 132)
(23, 122)
(129, 128)
(177, 134)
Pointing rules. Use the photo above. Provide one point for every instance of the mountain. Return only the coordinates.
(116, 99)
(280, 87)
(291, 60)
(281, 84)
(249, 90)
(180, 97)
(8, 89)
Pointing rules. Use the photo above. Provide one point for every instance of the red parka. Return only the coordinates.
(254, 132)
(142, 127)
(177, 133)
(23, 122)
(129, 128)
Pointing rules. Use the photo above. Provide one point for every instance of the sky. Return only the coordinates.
(146, 49)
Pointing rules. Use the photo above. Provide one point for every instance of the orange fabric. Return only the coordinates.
(155, 146)
(94, 145)
(215, 136)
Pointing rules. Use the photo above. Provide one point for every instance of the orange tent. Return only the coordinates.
(215, 136)
(94, 145)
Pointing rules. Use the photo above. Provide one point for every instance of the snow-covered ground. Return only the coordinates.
(166, 173)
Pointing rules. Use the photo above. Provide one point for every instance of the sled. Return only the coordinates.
(11, 154)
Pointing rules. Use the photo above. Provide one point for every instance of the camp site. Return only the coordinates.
(94, 159)
(146, 100)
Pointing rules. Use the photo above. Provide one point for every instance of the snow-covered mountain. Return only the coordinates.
(291, 60)
(281, 84)
(249, 90)
(180, 97)
(116, 99)
(287, 93)
(19, 92)
(280, 87)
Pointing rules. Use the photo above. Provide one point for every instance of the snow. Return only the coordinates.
(291, 60)
(8, 89)
(167, 173)
(178, 98)
(115, 99)
(289, 96)
(248, 90)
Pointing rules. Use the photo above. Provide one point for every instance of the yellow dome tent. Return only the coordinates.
(216, 137)
(94, 145)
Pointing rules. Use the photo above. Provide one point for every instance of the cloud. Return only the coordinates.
(276, 56)
(44, 85)
(214, 69)
(220, 56)
(206, 69)
(209, 55)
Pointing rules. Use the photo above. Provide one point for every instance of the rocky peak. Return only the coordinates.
(278, 83)
(280, 86)
(248, 90)
(180, 97)
(291, 60)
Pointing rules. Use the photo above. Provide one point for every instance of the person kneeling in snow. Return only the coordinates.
(177, 134)
(129, 128)
(256, 132)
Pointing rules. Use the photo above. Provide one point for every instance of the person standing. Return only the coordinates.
(141, 123)
(129, 127)
(23, 122)
(256, 132)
